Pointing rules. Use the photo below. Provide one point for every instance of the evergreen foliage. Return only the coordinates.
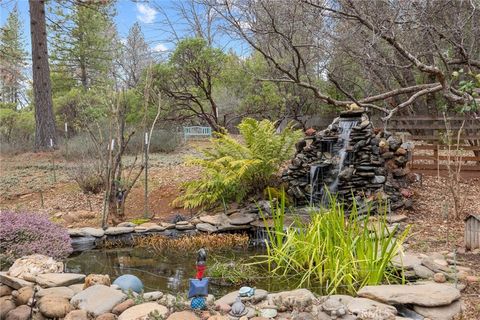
(234, 169)
(12, 58)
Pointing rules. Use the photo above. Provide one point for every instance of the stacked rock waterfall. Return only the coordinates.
(350, 159)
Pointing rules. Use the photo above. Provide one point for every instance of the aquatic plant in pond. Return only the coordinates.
(336, 251)
(159, 243)
(23, 234)
(232, 272)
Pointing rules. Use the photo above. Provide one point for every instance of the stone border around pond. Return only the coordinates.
(89, 238)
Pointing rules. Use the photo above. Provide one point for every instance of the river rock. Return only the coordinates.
(184, 226)
(94, 232)
(183, 315)
(33, 265)
(298, 299)
(215, 220)
(22, 295)
(231, 227)
(77, 315)
(168, 225)
(98, 299)
(80, 244)
(48, 280)
(241, 218)
(119, 308)
(206, 227)
(439, 277)
(64, 292)
(12, 282)
(19, 313)
(428, 295)
(119, 230)
(5, 290)
(230, 298)
(406, 260)
(360, 306)
(54, 307)
(423, 272)
(149, 227)
(141, 311)
(106, 316)
(76, 288)
(6, 304)
(153, 296)
(440, 313)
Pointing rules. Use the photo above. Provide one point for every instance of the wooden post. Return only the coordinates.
(53, 161)
(107, 189)
(145, 204)
(66, 140)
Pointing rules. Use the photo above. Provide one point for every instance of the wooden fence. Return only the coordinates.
(429, 134)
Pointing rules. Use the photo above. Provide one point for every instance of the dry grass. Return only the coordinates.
(160, 243)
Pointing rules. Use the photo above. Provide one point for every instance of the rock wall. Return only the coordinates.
(352, 159)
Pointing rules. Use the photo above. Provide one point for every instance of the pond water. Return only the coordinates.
(166, 272)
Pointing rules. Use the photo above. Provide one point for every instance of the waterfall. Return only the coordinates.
(313, 181)
(345, 126)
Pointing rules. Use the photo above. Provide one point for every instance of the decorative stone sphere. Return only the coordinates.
(129, 282)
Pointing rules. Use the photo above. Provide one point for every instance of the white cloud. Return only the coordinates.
(160, 48)
(146, 14)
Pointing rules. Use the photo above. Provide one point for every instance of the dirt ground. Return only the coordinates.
(27, 184)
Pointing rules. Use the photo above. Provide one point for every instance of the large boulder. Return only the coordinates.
(54, 307)
(98, 299)
(6, 304)
(48, 280)
(141, 311)
(361, 306)
(447, 312)
(22, 295)
(29, 267)
(19, 313)
(5, 290)
(427, 295)
(64, 292)
(118, 230)
(77, 315)
(13, 282)
(298, 299)
(230, 298)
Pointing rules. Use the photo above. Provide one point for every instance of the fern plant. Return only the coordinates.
(234, 169)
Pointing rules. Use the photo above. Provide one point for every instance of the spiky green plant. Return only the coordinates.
(336, 252)
(234, 169)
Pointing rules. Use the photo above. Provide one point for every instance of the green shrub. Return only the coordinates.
(335, 252)
(232, 170)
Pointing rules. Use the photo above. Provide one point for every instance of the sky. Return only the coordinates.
(146, 13)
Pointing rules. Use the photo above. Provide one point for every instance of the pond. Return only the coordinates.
(167, 272)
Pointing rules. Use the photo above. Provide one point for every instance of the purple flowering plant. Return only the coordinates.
(25, 233)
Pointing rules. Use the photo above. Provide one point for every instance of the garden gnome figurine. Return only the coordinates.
(201, 263)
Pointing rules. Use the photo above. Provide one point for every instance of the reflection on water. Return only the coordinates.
(164, 272)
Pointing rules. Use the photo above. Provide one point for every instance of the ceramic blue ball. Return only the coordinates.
(129, 282)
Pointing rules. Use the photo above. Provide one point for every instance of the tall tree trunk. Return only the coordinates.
(42, 88)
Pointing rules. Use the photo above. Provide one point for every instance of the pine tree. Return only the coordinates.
(136, 56)
(12, 59)
(82, 38)
(45, 132)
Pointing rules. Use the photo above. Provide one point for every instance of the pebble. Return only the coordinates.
(439, 277)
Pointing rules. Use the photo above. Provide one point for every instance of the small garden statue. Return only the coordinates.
(199, 286)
